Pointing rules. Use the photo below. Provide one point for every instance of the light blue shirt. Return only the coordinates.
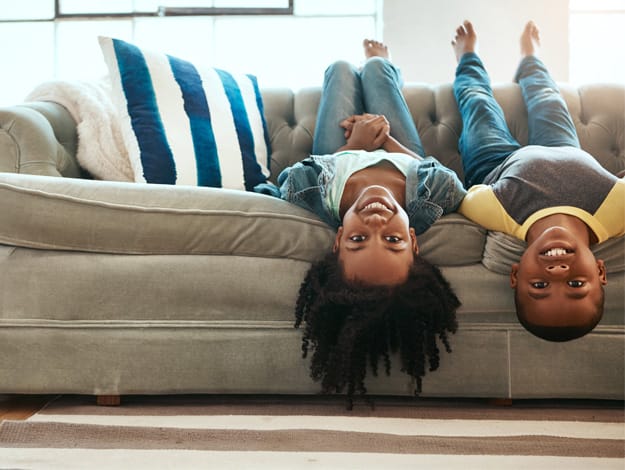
(431, 189)
(352, 161)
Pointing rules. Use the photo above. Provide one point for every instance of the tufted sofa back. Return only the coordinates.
(41, 138)
(598, 112)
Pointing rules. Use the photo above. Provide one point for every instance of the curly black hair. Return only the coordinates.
(350, 326)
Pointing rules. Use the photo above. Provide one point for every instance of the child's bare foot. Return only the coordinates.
(530, 39)
(465, 40)
(375, 49)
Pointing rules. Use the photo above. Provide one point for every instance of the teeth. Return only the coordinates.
(376, 205)
(556, 252)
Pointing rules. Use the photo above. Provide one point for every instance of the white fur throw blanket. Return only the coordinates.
(101, 150)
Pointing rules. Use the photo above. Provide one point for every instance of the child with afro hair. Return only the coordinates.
(373, 295)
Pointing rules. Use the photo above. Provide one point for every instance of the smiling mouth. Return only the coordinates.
(555, 252)
(376, 206)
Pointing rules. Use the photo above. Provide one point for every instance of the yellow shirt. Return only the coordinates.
(482, 207)
(536, 181)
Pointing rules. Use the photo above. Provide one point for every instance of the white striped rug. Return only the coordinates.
(314, 432)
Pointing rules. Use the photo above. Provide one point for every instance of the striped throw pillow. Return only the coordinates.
(183, 124)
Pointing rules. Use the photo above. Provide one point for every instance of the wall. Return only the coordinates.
(420, 41)
(418, 31)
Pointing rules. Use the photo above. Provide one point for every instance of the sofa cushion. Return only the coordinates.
(183, 124)
(130, 218)
(453, 240)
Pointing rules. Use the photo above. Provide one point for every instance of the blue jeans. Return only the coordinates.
(375, 89)
(486, 140)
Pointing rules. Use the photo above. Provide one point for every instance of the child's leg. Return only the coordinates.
(381, 85)
(341, 97)
(549, 122)
(485, 140)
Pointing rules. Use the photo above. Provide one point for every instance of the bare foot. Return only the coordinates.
(530, 39)
(465, 39)
(375, 49)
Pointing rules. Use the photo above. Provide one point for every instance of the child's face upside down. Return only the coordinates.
(558, 281)
(375, 243)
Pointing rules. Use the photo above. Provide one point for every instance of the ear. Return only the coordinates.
(337, 240)
(603, 278)
(513, 275)
(413, 238)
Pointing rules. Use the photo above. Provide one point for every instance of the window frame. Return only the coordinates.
(164, 10)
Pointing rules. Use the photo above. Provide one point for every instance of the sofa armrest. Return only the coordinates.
(38, 138)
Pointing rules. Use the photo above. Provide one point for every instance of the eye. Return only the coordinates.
(576, 284)
(357, 238)
(539, 284)
(392, 239)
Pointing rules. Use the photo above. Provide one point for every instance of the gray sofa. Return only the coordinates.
(111, 288)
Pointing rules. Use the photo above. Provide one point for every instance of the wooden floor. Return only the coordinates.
(20, 407)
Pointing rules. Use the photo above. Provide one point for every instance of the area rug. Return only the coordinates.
(230, 432)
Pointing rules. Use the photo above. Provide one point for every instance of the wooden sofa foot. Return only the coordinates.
(108, 400)
(500, 401)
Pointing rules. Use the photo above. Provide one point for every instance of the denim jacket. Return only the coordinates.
(431, 189)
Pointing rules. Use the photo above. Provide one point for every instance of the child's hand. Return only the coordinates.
(366, 131)
(348, 123)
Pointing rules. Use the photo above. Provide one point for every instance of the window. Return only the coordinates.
(596, 38)
(289, 48)
(174, 7)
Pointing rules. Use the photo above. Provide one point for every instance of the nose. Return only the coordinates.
(558, 269)
(375, 220)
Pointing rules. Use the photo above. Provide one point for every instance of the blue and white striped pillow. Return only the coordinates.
(183, 124)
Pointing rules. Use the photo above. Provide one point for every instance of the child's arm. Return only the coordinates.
(482, 207)
(393, 146)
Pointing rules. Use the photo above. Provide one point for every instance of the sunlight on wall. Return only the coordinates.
(597, 41)
(283, 51)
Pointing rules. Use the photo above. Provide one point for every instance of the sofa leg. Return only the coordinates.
(108, 400)
(500, 401)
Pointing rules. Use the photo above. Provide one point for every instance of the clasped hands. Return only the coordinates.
(366, 131)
